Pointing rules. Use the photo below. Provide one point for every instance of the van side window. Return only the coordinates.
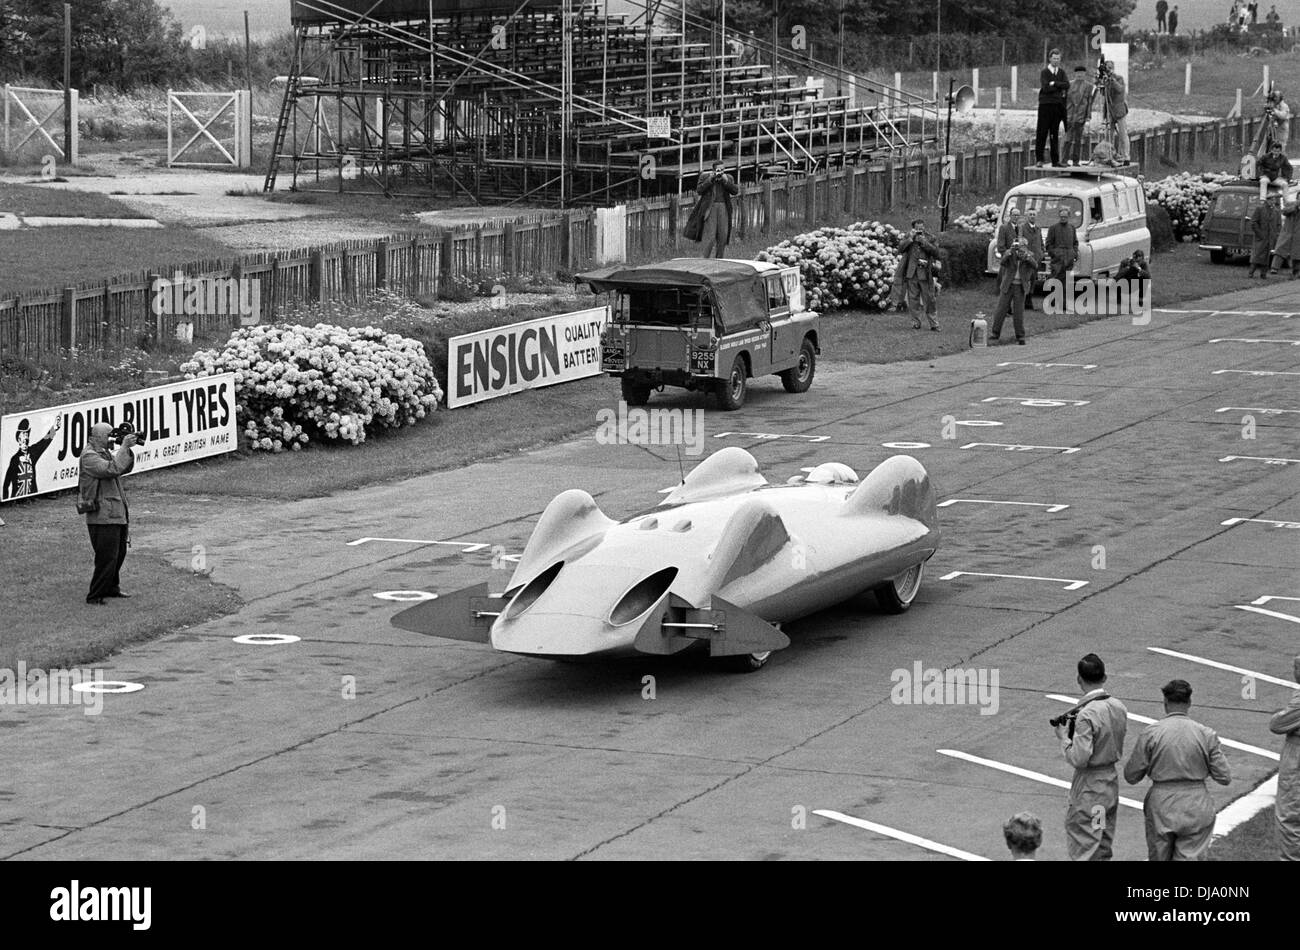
(1094, 209)
(776, 298)
(1121, 204)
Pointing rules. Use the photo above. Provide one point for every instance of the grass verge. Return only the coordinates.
(47, 564)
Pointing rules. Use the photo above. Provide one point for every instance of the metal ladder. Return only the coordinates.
(292, 88)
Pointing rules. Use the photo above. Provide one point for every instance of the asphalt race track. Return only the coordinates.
(450, 750)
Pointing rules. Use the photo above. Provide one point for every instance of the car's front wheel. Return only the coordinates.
(746, 662)
(897, 593)
(798, 378)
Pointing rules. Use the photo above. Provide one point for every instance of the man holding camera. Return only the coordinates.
(1116, 93)
(1179, 754)
(716, 191)
(1092, 741)
(914, 276)
(1016, 270)
(103, 502)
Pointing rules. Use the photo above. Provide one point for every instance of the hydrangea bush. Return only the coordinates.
(294, 383)
(983, 220)
(843, 267)
(1187, 198)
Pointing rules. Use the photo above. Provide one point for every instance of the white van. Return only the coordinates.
(1109, 212)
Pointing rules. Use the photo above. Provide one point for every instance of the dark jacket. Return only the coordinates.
(1053, 87)
(1265, 226)
(1063, 243)
(1078, 101)
(712, 189)
(916, 257)
(1273, 168)
(100, 471)
(1013, 260)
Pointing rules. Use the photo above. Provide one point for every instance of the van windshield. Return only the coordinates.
(1048, 208)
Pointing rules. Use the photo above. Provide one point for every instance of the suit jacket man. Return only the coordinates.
(1062, 247)
(914, 277)
(716, 190)
(1265, 226)
(1025, 260)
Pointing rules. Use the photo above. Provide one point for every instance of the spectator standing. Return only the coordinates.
(1117, 109)
(1062, 246)
(1078, 111)
(1162, 10)
(1024, 836)
(1273, 19)
(103, 502)
(1286, 722)
(1054, 85)
(1265, 226)
(1015, 276)
(1173, 20)
(914, 276)
(717, 189)
(1288, 241)
(1254, 12)
(1281, 116)
(1179, 754)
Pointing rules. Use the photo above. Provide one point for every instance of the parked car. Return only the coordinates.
(1226, 231)
(707, 325)
(1108, 210)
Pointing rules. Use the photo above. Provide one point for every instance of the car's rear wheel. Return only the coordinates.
(1219, 256)
(897, 593)
(733, 389)
(635, 393)
(798, 378)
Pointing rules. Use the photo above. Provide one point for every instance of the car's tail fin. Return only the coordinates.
(463, 615)
(899, 485)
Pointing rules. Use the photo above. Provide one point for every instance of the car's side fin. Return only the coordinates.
(752, 536)
(899, 485)
(571, 518)
(461, 615)
(728, 471)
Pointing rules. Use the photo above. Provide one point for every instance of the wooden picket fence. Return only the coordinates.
(118, 312)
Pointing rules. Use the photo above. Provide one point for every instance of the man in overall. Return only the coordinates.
(717, 188)
(1179, 754)
(1093, 742)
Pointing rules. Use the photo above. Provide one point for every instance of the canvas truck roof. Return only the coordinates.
(736, 286)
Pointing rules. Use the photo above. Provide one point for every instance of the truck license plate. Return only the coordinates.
(611, 355)
(701, 361)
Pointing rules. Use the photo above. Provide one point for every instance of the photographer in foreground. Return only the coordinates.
(102, 501)
(1092, 741)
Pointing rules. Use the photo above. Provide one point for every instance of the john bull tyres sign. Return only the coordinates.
(40, 450)
(522, 356)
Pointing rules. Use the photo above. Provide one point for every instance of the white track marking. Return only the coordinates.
(1246, 808)
(1254, 372)
(768, 436)
(1034, 402)
(467, 547)
(1267, 412)
(1010, 447)
(1069, 584)
(988, 501)
(1264, 600)
(1235, 339)
(1024, 773)
(900, 835)
(1268, 613)
(1224, 666)
(1277, 524)
(1049, 365)
(107, 686)
(1230, 743)
(1258, 458)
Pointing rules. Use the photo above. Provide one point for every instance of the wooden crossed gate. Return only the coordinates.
(240, 152)
(24, 124)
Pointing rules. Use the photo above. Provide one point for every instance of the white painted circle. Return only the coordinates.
(977, 422)
(266, 639)
(1040, 403)
(405, 595)
(107, 686)
(906, 445)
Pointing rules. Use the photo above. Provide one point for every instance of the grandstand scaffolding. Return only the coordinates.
(559, 102)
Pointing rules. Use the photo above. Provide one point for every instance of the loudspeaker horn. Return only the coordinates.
(963, 100)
